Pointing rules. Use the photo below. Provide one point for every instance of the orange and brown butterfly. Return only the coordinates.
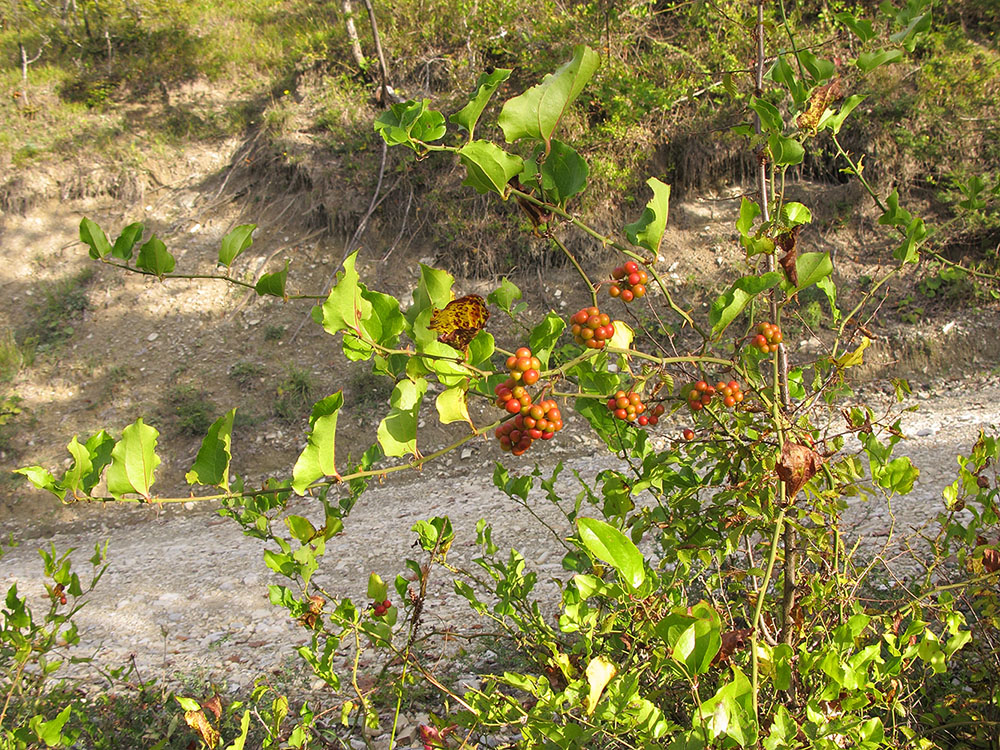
(460, 320)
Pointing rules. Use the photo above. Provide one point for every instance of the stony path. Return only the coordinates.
(186, 593)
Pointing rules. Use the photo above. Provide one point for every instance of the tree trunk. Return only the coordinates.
(352, 34)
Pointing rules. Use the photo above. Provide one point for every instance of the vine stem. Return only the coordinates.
(772, 556)
(579, 269)
(202, 276)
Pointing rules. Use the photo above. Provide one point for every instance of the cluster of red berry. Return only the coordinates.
(540, 421)
(628, 282)
(381, 607)
(523, 366)
(701, 394)
(768, 337)
(628, 407)
(591, 328)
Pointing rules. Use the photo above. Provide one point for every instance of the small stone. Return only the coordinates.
(466, 453)
(153, 336)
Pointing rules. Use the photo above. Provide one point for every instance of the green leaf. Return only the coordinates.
(810, 268)
(153, 257)
(211, 466)
(785, 151)
(861, 28)
(835, 121)
(698, 644)
(607, 543)
(770, 117)
(793, 214)
(319, 457)
(505, 295)
(819, 68)
(868, 61)
(433, 291)
(42, 479)
(749, 211)
(488, 167)
(488, 83)
(536, 113)
(563, 173)
(95, 238)
(407, 122)
(452, 405)
(126, 241)
(729, 305)
(301, 528)
(377, 588)
(50, 732)
(648, 231)
(133, 461)
(906, 252)
(235, 243)
(894, 214)
(345, 306)
(783, 74)
(543, 337)
(273, 284)
(397, 433)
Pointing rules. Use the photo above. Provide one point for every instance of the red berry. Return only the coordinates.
(701, 385)
(688, 433)
(614, 290)
(631, 267)
(386, 604)
(638, 291)
(522, 352)
(627, 295)
(513, 406)
(729, 401)
(530, 377)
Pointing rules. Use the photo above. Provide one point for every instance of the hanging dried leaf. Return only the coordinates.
(787, 242)
(797, 465)
(214, 705)
(732, 641)
(200, 724)
(822, 97)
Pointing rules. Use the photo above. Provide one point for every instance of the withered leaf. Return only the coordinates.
(822, 97)
(732, 641)
(460, 320)
(796, 466)
(787, 242)
(200, 724)
(214, 705)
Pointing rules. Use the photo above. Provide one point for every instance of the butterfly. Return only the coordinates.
(460, 320)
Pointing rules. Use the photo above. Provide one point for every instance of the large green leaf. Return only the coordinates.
(536, 113)
(785, 151)
(861, 28)
(770, 117)
(730, 304)
(543, 337)
(648, 231)
(488, 83)
(809, 268)
(154, 257)
(868, 61)
(607, 543)
(433, 291)
(345, 306)
(95, 238)
(126, 241)
(235, 243)
(397, 433)
(133, 461)
(319, 457)
(452, 404)
(562, 174)
(211, 466)
(489, 168)
(834, 121)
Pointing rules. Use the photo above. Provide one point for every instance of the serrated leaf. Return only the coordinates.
(452, 405)
(234, 243)
(273, 284)
(211, 466)
(730, 304)
(488, 83)
(488, 167)
(133, 461)
(318, 459)
(536, 113)
(94, 237)
(154, 257)
(126, 241)
(397, 433)
(607, 543)
(648, 231)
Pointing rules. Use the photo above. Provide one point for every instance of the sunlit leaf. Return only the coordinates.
(318, 459)
(211, 466)
(235, 243)
(488, 83)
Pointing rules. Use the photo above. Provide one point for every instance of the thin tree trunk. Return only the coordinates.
(352, 34)
(384, 96)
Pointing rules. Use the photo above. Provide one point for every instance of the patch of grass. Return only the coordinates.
(294, 394)
(246, 373)
(369, 393)
(10, 356)
(51, 322)
(190, 409)
(274, 333)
